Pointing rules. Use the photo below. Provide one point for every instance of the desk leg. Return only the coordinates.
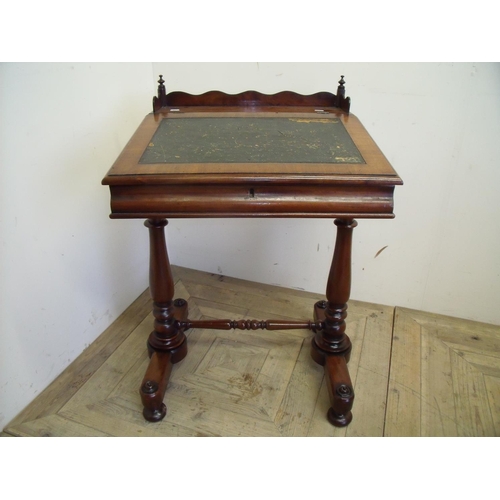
(331, 347)
(167, 343)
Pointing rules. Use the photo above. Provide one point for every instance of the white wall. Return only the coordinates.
(67, 271)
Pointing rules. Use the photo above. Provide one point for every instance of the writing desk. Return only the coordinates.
(251, 155)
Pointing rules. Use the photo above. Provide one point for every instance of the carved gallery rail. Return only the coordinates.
(251, 155)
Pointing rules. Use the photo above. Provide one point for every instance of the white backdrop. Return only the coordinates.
(67, 271)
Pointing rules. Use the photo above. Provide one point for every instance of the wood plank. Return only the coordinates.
(377, 340)
(242, 376)
(493, 391)
(200, 405)
(369, 405)
(447, 323)
(103, 381)
(210, 419)
(476, 343)
(299, 399)
(213, 310)
(55, 426)
(404, 397)
(285, 307)
(473, 415)
(239, 285)
(274, 376)
(454, 357)
(121, 421)
(486, 364)
(372, 376)
(438, 403)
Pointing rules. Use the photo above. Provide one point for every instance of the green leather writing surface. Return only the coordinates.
(251, 140)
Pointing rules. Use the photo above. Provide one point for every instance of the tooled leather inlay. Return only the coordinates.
(251, 140)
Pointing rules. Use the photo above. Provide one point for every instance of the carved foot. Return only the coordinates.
(155, 382)
(155, 415)
(340, 390)
(339, 385)
(338, 420)
(154, 385)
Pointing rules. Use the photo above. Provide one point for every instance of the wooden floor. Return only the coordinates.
(414, 374)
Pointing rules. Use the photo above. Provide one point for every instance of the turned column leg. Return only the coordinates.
(167, 342)
(331, 347)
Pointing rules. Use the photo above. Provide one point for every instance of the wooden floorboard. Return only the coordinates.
(444, 377)
(414, 373)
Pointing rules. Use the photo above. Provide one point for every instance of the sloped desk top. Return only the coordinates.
(265, 161)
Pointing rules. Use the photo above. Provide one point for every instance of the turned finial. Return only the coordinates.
(160, 100)
(341, 88)
(161, 87)
(341, 100)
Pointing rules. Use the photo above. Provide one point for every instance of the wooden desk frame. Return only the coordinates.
(342, 192)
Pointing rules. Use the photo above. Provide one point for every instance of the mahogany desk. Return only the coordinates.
(251, 155)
